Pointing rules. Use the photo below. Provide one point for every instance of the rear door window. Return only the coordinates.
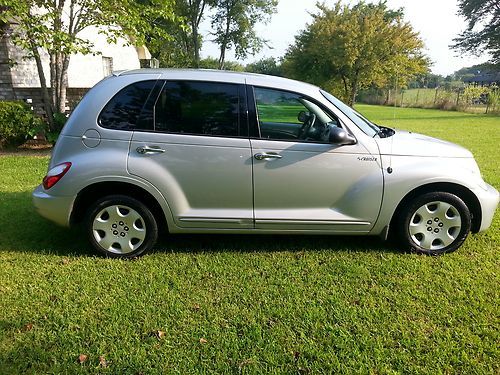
(198, 108)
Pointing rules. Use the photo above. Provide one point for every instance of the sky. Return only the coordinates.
(436, 21)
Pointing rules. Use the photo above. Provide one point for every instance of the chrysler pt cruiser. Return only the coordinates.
(194, 151)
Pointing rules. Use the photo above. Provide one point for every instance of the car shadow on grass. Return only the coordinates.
(198, 243)
(25, 231)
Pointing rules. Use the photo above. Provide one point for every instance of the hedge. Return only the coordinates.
(17, 123)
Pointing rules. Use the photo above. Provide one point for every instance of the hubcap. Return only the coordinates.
(435, 225)
(119, 229)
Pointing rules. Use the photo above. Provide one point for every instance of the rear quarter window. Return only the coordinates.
(123, 111)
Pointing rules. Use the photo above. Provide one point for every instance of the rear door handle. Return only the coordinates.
(149, 150)
(267, 155)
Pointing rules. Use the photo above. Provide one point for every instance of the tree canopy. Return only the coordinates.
(346, 48)
(55, 26)
(233, 25)
(483, 28)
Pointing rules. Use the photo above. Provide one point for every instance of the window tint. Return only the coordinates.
(204, 108)
(124, 109)
(289, 116)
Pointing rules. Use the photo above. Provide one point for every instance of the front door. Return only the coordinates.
(198, 154)
(301, 182)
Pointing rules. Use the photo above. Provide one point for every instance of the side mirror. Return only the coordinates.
(340, 137)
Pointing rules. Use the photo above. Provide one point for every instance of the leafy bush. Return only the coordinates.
(17, 123)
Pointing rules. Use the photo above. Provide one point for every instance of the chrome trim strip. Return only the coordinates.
(316, 222)
(215, 220)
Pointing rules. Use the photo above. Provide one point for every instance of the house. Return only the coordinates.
(485, 79)
(19, 76)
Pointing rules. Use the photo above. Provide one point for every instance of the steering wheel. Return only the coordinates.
(308, 123)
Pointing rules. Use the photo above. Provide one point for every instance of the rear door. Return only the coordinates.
(302, 182)
(198, 154)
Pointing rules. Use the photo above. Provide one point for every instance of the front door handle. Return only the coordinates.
(149, 150)
(267, 155)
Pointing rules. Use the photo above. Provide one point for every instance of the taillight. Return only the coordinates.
(55, 174)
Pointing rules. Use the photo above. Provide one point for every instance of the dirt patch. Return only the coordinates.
(30, 148)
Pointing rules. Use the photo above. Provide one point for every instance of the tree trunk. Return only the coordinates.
(63, 84)
(222, 57)
(47, 104)
(353, 92)
(196, 47)
(346, 88)
(223, 46)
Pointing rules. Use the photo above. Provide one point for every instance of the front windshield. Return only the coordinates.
(365, 125)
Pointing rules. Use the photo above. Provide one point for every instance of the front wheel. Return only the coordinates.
(434, 223)
(121, 227)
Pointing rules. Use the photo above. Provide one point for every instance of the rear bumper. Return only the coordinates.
(55, 208)
(489, 202)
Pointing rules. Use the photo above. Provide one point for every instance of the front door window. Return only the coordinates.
(284, 115)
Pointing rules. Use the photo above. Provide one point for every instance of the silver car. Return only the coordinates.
(194, 151)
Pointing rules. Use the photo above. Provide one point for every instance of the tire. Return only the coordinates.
(434, 224)
(119, 226)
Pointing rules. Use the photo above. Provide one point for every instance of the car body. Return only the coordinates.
(225, 152)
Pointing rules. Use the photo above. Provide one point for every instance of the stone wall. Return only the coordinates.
(33, 95)
(6, 92)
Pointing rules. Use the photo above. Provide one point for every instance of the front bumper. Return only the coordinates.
(55, 208)
(489, 201)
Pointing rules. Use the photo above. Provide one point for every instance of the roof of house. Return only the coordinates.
(488, 77)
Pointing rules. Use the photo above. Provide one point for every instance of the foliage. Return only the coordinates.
(474, 95)
(213, 63)
(181, 47)
(262, 304)
(493, 100)
(55, 26)
(233, 26)
(59, 120)
(17, 122)
(269, 66)
(472, 71)
(482, 32)
(348, 48)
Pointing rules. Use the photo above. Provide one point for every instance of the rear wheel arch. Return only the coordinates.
(467, 196)
(90, 194)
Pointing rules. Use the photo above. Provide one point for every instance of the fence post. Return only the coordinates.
(435, 96)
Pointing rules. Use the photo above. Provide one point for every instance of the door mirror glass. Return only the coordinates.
(340, 137)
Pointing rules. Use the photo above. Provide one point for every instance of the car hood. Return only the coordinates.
(413, 144)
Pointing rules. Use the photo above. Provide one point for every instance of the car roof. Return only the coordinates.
(225, 76)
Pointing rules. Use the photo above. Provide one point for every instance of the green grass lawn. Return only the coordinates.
(250, 304)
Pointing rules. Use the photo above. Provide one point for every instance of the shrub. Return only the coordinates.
(17, 123)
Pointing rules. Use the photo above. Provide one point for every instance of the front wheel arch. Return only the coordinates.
(460, 191)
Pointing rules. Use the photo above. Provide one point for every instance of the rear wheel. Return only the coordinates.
(121, 227)
(434, 223)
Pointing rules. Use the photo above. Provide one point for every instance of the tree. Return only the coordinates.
(54, 26)
(182, 47)
(483, 29)
(268, 66)
(193, 11)
(234, 22)
(348, 48)
(213, 63)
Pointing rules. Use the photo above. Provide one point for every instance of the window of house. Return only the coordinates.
(199, 108)
(107, 66)
(123, 110)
